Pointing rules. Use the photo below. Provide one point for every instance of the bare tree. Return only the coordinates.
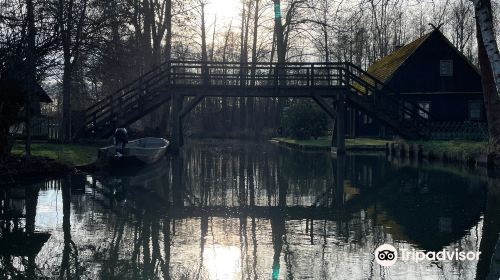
(71, 17)
(462, 24)
(31, 61)
(489, 61)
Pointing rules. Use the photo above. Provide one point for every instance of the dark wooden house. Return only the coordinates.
(430, 72)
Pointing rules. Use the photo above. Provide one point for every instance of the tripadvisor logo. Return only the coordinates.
(387, 255)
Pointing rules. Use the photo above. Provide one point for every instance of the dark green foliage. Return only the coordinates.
(304, 119)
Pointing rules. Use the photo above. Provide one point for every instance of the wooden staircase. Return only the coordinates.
(127, 105)
(374, 98)
(154, 88)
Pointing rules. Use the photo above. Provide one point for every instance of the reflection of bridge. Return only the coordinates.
(176, 80)
(175, 207)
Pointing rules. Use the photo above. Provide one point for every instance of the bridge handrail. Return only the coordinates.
(140, 82)
(296, 74)
(401, 103)
(387, 88)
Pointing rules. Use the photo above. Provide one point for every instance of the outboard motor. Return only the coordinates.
(120, 139)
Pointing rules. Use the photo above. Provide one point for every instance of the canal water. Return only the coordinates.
(233, 210)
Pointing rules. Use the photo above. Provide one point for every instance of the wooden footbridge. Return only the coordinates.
(186, 83)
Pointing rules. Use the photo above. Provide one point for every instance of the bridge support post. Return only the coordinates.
(176, 137)
(339, 182)
(340, 143)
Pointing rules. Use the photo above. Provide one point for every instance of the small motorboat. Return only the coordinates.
(142, 151)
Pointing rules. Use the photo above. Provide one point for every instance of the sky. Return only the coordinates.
(225, 10)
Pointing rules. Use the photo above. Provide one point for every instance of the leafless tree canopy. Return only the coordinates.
(86, 49)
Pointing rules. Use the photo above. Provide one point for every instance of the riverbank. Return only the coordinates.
(16, 169)
(324, 144)
(70, 154)
(462, 151)
(47, 160)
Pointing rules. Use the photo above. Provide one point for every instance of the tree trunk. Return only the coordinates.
(168, 28)
(491, 100)
(251, 105)
(30, 57)
(224, 107)
(65, 28)
(204, 53)
(281, 50)
(66, 92)
(484, 20)
(71, 45)
(146, 40)
(279, 31)
(164, 123)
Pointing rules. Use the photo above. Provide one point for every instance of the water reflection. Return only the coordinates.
(254, 211)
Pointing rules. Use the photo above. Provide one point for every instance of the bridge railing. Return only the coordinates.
(130, 95)
(408, 111)
(255, 75)
(233, 74)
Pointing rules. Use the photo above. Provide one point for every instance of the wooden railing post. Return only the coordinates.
(312, 74)
(341, 76)
(120, 106)
(169, 74)
(174, 76)
(205, 74)
(308, 77)
(276, 78)
(111, 107)
(348, 73)
(340, 122)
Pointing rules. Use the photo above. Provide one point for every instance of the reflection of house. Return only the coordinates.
(431, 72)
(17, 222)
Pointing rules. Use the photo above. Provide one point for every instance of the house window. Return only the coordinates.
(475, 110)
(424, 109)
(446, 68)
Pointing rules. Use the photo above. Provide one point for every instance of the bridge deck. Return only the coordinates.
(178, 79)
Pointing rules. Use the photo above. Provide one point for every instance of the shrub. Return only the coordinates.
(305, 119)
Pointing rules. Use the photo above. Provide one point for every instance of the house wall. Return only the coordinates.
(419, 79)
(365, 126)
(449, 107)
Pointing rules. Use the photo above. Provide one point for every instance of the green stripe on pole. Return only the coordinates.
(277, 10)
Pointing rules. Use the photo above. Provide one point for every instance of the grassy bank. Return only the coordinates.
(453, 146)
(325, 142)
(462, 149)
(71, 154)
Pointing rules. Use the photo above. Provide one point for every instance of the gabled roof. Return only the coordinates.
(384, 68)
(16, 77)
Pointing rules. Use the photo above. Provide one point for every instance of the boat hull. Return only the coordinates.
(142, 151)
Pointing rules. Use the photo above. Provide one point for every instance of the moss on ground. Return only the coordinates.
(71, 154)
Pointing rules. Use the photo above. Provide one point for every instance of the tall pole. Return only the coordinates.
(341, 124)
(177, 140)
